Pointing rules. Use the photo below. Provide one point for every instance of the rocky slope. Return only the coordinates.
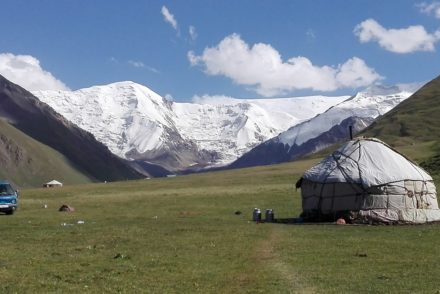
(28, 163)
(37, 120)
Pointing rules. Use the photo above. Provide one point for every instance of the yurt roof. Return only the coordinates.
(54, 182)
(365, 161)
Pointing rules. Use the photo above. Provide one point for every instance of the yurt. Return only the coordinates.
(53, 184)
(366, 181)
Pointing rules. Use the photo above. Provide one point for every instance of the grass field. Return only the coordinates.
(182, 235)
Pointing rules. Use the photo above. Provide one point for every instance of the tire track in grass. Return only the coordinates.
(267, 256)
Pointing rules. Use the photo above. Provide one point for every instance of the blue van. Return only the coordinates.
(8, 198)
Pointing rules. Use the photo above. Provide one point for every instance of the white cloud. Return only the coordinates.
(310, 34)
(113, 59)
(411, 87)
(432, 8)
(261, 66)
(192, 32)
(193, 59)
(215, 99)
(169, 97)
(169, 17)
(138, 64)
(355, 73)
(153, 70)
(26, 71)
(407, 40)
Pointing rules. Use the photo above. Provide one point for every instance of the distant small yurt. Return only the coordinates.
(366, 181)
(53, 184)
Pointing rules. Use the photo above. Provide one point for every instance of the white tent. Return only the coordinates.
(367, 181)
(53, 183)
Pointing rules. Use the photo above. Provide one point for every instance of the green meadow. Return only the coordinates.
(194, 234)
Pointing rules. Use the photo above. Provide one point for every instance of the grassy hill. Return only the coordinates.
(415, 119)
(28, 163)
(414, 126)
(186, 235)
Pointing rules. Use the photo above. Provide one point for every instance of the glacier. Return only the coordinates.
(363, 104)
(134, 122)
(326, 128)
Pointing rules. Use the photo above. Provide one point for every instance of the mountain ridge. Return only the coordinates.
(36, 119)
(28, 163)
(138, 124)
(322, 130)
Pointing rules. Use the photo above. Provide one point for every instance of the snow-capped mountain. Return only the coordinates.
(231, 127)
(131, 120)
(325, 129)
(136, 123)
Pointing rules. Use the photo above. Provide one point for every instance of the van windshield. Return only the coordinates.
(6, 189)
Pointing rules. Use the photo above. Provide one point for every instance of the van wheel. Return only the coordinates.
(9, 212)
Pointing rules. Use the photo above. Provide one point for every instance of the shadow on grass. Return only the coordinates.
(299, 221)
(293, 221)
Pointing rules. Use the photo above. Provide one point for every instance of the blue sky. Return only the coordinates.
(243, 49)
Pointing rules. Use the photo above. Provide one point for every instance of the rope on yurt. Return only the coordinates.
(388, 198)
(347, 178)
(333, 201)
(326, 177)
(365, 192)
(424, 190)
(414, 200)
(413, 164)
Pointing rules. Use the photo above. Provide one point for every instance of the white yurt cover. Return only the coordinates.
(369, 162)
(368, 176)
(54, 183)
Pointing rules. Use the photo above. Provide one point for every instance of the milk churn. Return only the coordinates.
(270, 215)
(256, 216)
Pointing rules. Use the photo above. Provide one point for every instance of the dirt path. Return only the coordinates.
(266, 255)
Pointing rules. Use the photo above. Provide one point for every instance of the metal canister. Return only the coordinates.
(269, 215)
(256, 216)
